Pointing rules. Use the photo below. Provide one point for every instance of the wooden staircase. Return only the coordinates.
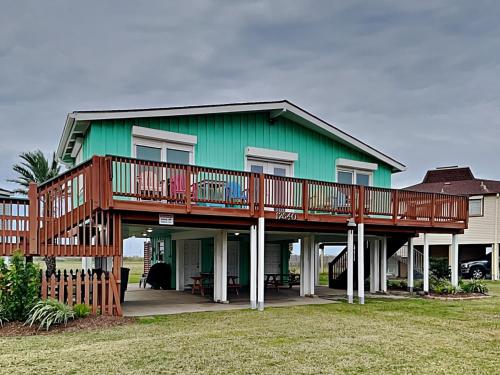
(337, 268)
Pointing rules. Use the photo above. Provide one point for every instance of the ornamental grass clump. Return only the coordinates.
(81, 310)
(49, 312)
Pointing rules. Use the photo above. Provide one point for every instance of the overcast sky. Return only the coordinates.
(418, 80)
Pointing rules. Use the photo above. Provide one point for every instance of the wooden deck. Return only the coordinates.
(80, 212)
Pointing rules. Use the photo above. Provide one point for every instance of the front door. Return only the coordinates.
(272, 258)
(192, 260)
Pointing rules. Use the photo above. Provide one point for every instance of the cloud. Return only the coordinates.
(417, 80)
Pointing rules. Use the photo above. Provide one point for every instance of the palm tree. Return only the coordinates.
(35, 167)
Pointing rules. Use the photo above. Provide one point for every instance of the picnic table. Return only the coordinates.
(273, 280)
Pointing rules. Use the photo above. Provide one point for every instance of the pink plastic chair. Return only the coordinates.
(178, 187)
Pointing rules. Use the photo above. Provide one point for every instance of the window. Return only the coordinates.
(476, 207)
(171, 152)
(353, 176)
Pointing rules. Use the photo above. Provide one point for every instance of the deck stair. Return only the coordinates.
(337, 268)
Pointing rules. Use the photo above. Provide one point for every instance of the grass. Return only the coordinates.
(384, 336)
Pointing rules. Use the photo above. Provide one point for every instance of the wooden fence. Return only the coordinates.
(100, 291)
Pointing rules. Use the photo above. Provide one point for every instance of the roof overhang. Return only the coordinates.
(78, 122)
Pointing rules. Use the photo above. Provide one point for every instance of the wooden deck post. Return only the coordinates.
(188, 189)
(33, 218)
(305, 199)
(261, 195)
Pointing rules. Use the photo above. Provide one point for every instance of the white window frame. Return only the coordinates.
(267, 157)
(354, 174)
(481, 200)
(174, 141)
(355, 167)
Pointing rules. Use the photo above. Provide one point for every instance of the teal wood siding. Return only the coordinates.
(222, 140)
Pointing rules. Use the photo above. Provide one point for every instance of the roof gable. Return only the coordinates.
(78, 121)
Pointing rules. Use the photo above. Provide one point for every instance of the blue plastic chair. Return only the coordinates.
(234, 192)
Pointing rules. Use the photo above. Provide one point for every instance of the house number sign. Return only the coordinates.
(282, 215)
(166, 219)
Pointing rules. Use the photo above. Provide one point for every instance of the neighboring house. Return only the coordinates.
(481, 239)
(223, 190)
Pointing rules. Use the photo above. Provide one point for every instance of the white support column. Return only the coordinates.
(305, 277)
(217, 266)
(376, 265)
(223, 281)
(372, 265)
(312, 264)
(350, 265)
(86, 263)
(411, 263)
(260, 264)
(454, 260)
(301, 267)
(361, 263)
(426, 263)
(494, 262)
(383, 265)
(220, 267)
(317, 269)
(253, 267)
(179, 265)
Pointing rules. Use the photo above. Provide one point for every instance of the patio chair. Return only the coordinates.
(235, 193)
(177, 184)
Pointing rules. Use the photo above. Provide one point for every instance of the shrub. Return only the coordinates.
(81, 310)
(19, 287)
(49, 312)
(440, 285)
(439, 268)
(474, 286)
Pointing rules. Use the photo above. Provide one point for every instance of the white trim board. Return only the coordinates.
(268, 154)
(163, 135)
(282, 108)
(348, 163)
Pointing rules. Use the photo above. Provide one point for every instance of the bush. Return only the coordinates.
(49, 312)
(440, 285)
(439, 268)
(81, 310)
(19, 287)
(474, 286)
(397, 284)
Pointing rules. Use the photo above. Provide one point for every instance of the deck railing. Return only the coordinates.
(14, 227)
(77, 213)
(211, 187)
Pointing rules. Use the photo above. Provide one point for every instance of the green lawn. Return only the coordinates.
(384, 336)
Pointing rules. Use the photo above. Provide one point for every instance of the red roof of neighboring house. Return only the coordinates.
(455, 180)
